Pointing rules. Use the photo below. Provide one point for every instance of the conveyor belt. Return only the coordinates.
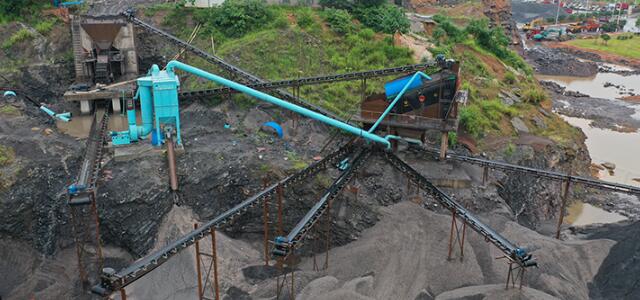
(112, 281)
(285, 244)
(90, 167)
(314, 80)
(242, 74)
(503, 244)
(598, 184)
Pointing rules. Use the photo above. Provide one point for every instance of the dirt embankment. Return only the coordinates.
(548, 61)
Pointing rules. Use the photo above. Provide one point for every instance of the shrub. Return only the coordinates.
(480, 117)
(20, 35)
(510, 78)
(45, 26)
(453, 138)
(235, 18)
(384, 18)
(305, 18)
(534, 95)
(339, 20)
(281, 22)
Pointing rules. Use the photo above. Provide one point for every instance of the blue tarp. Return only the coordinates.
(393, 88)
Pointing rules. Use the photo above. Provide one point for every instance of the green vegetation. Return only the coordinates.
(21, 10)
(7, 155)
(376, 14)
(295, 42)
(340, 20)
(481, 117)
(508, 151)
(535, 95)
(297, 163)
(9, 110)
(453, 138)
(45, 26)
(235, 18)
(19, 36)
(628, 48)
(605, 37)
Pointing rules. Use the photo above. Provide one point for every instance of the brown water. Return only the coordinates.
(594, 85)
(80, 125)
(580, 213)
(619, 148)
(604, 145)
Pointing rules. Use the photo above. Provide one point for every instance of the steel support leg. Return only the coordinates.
(458, 239)
(485, 175)
(279, 195)
(564, 196)
(265, 218)
(123, 294)
(444, 144)
(214, 257)
(198, 270)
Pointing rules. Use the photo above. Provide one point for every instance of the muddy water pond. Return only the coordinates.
(594, 85)
(80, 125)
(606, 145)
(580, 213)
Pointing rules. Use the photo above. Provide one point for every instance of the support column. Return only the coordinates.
(115, 105)
(444, 145)
(265, 216)
(214, 256)
(123, 294)
(564, 196)
(198, 271)
(85, 107)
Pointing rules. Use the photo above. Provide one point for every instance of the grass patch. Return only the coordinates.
(7, 155)
(482, 117)
(297, 163)
(45, 26)
(19, 36)
(628, 48)
(9, 110)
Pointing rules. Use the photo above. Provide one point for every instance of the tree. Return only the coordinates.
(11, 10)
(339, 20)
(605, 37)
(638, 22)
(386, 18)
(338, 4)
(235, 18)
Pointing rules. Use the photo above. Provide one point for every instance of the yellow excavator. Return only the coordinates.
(532, 24)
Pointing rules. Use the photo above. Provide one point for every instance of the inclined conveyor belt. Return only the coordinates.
(112, 281)
(509, 249)
(283, 245)
(314, 80)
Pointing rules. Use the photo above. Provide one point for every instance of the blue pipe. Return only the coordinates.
(63, 117)
(393, 103)
(273, 100)
(146, 107)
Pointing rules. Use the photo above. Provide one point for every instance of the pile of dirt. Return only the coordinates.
(525, 11)
(397, 258)
(619, 274)
(549, 61)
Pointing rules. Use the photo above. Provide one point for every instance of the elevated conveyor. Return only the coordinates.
(112, 281)
(315, 80)
(503, 166)
(285, 245)
(509, 249)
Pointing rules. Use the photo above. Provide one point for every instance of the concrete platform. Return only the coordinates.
(443, 174)
(138, 150)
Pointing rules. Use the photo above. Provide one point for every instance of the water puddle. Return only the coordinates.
(80, 125)
(594, 85)
(580, 213)
(611, 146)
